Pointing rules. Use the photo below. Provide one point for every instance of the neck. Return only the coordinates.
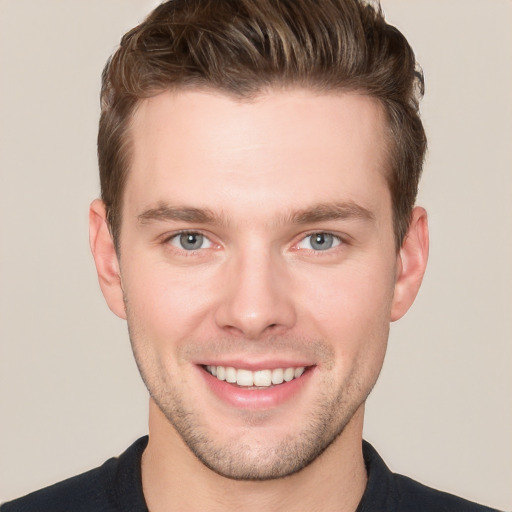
(174, 479)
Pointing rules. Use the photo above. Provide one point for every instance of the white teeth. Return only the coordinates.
(289, 374)
(244, 378)
(277, 376)
(259, 378)
(230, 374)
(262, 378)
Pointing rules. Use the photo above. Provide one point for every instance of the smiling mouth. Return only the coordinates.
(257, 379)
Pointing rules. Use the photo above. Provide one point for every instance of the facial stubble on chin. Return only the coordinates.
(240, 459)
(245, 458)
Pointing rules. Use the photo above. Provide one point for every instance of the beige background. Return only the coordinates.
(70, 392)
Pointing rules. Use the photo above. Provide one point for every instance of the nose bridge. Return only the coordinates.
(256, 298)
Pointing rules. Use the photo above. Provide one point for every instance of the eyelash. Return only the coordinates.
(337, 239)
(168, 239)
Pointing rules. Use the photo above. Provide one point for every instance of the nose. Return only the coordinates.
(257, 296)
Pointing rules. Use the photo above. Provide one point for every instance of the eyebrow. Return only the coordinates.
(318, 213)
(332, 211)
(165, 212)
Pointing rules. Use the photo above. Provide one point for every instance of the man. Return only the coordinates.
(259, 165)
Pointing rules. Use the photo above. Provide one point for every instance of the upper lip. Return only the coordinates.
(257, 365)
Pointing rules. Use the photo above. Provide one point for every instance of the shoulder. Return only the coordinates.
(99, 490)
(391, 492)
(412, 495)
(88, 491)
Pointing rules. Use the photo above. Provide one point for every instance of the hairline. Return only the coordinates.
(253, 95)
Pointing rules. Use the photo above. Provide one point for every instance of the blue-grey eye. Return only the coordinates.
(319, 242)
(190, 241)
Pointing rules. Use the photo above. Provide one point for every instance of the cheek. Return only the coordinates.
(350, 307)
(166, 305)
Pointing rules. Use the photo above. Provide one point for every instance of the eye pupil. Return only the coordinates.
(321, 241)
(191, 241)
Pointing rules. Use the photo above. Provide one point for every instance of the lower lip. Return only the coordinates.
(262, 398)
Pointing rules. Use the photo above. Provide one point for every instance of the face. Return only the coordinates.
(258, 271)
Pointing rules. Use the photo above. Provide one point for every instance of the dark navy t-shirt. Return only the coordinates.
(116, 486)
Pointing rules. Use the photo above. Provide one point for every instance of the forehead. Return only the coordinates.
(283, 148)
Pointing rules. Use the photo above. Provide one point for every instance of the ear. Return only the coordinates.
(411, 264)
(105, 258)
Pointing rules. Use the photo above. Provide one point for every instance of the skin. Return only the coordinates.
(267, 175)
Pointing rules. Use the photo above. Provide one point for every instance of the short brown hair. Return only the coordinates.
(243, 47)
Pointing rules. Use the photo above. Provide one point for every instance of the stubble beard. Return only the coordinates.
(243, 458)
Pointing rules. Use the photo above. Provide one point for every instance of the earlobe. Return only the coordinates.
(412, 262)
(105, 258)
